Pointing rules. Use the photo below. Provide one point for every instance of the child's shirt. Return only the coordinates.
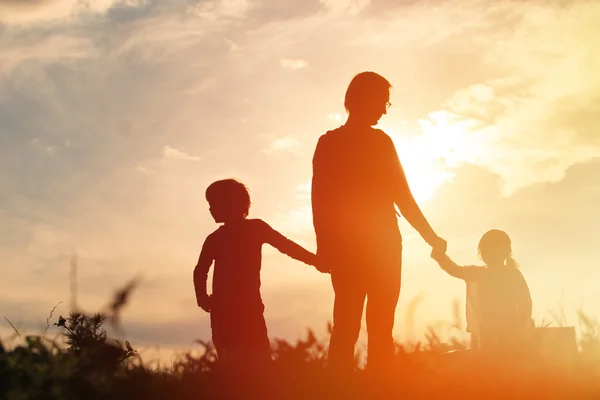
(498, 298)
(235, 249)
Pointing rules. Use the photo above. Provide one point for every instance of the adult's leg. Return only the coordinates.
(382, 297)
(350, 292)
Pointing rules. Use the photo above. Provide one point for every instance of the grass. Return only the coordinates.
(83, 363)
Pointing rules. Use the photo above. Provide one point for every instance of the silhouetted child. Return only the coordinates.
(498, 298)
(239, 332)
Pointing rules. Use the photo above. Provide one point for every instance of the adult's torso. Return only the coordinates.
(357, 168)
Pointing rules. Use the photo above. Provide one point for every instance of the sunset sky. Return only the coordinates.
(116, 115)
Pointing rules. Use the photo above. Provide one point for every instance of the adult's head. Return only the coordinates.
(367, 98)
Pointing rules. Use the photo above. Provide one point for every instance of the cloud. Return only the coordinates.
(220, 9)
(285, 144)
(291, 63)
(36, 11)
(507, 88)
(143, 170)
(55, 48)
(13, 11)
(172, 153)
(531, 127)
(352, 7)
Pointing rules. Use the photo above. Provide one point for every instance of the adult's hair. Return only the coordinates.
(231, 192)
(365, 88)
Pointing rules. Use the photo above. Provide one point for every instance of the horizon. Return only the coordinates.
(115, 118)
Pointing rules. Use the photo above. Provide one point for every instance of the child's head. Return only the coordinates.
(495, 248)
(229, 200)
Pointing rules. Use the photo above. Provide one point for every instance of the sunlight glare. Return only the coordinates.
(428, 158)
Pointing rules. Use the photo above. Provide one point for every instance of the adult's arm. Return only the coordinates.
(406, 202)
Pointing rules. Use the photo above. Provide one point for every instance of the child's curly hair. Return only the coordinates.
(231, 193)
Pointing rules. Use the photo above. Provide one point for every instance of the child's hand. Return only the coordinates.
(205, 303)
(437, 253)
(322, 266)
(322, 269)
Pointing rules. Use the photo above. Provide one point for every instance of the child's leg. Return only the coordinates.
(223, 337)
(240, 338)
(256, 344)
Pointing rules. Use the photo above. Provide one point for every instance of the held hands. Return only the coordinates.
(321, 265)
(323, 268)
(436, 254)
(205, 303)
(438, 248)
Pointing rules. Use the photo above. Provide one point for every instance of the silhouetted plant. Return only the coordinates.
(194, 364)
(589, 341)
(305, 356)
(89, 365)
(87, 340)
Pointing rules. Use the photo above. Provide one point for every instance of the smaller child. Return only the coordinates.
(239, 332)
(498, 298)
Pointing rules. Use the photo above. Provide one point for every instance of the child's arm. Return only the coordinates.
(201, 276)
(452, 268)
(286, 246)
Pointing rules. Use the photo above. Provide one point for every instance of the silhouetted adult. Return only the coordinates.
(357, 179)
